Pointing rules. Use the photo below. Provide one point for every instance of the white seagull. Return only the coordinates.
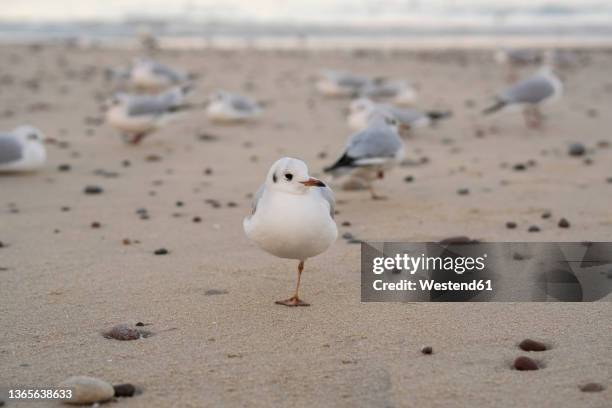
(341, 83)
(292, 217)
(22, 150)
(371, 152)
(530, 93)
(136, 116)
(360, 111)
(154, 76)
(402, 92)
(226, 107)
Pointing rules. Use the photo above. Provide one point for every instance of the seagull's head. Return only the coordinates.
(29, 134)
(383, 119)
(290, 175)
(361, 105)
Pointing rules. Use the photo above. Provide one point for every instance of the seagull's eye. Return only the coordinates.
(288, 176)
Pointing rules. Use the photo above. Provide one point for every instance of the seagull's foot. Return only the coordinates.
(292, 301)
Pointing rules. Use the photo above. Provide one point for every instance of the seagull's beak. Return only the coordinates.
(313, 182)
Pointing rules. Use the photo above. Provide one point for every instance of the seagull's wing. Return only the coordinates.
(257, 197)
(531, 90)
(10, 149)
(406, 116)
(242, 104)
(328, 195)
(146, 105)
(167, 72)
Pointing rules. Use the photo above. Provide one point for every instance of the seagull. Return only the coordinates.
(226, 107)
(292, 217)
(154, 76)
(22, 150)
(136, 116)
(341, 83)
(402, 92)
(371, 152)
(542, 87)
(361, 109)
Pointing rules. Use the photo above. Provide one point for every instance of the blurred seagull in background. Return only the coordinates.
(341, 83)
(136, 116)
(292, 217)
(153, 76)
(22, 150)
(360, 111)
(226, 107)
(371, 152)
(530, 93)
(402, 92)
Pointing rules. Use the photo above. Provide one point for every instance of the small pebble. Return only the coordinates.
(532, 345)
(124, 390)
(180, 204)
(427, 350)
(95, 224)
(546, 214)
(592, 387)
(161, 251)
(519, 167)
(525, 364)
(409, 179)
(576, 149)
(93, 190)
(463, 191)
(534, 228)
(127, 241)
(511, 225)
(197, 219)
(346, 223)
(347, 236)
(563, 223)
(122, 332)
(87, 390)
(64, 167)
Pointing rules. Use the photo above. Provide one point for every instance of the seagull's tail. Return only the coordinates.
(494, 108)
(434, 116)
(344, 161)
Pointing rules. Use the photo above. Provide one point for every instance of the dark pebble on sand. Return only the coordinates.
(532, 345)
(124, 390)
(197, 219)
(347, 236)
(409, 179)
(518, 256)
(563, 223)
(180, 204)
(592, 387)
(212, 292)
(64, 167)
(519, 167)
(511, 225)
(161, 251)
(93, 190)
(546, 214)
(65, 209)
(126, 163)
(609, 180)
(576, 149)
(534, 228)
(95, 224)
(122, 332)
(525, 364)
(427, 350)
(231, 204)
(463, 191)
(208, 171)
(346, 223)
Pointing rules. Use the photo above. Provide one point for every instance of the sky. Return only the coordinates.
(278, 10)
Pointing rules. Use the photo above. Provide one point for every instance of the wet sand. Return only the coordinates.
(219, 339)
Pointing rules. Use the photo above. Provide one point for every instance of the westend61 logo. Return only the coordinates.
(476, 272)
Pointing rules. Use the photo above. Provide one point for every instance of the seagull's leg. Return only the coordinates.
(295, 299)
(533, 118)
(380, 175)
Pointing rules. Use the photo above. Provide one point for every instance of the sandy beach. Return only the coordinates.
(219, 339)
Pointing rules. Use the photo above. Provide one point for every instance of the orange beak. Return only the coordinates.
(313, 182)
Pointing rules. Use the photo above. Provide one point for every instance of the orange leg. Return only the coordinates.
(295, 299)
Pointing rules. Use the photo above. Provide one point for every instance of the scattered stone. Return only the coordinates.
(126, 163)
(153, 158)
(206, 137)
(511, 225)
(563, 223)
(546, 214)
(592, 387)
(231, 204)
(93, 190)
(161, 251)
(208, 171)
(609, 180)
(212, 292)
(409, 179)
(124, 390)
(518, 257)
(122, 332)
(534, 228)
(588, 161)
(65, 209)
(95, 224)
(64, 167)
(525, 364)
(347, 236)
(346, 223)
(463, 191)
(519, 167)
(532, 345)
(427, 350)
(180, 204)
(87, 390)
(197, 219)
(576, 149)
